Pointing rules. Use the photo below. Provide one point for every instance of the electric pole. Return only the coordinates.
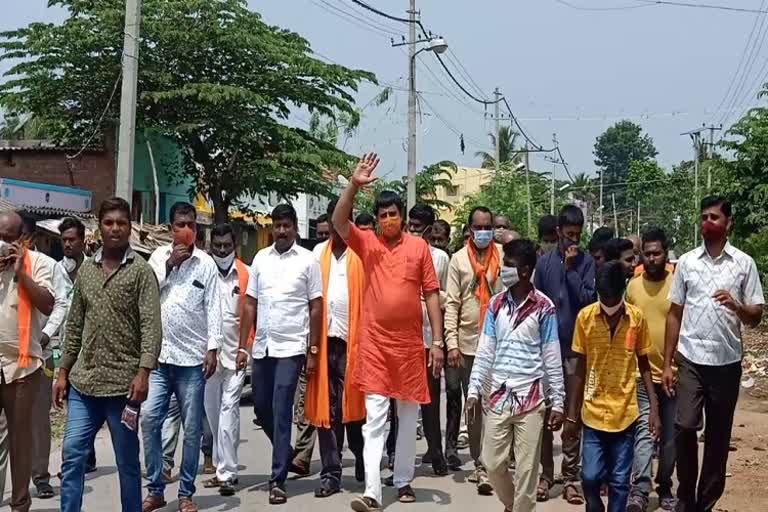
(638, 218)
(528, 184)
(601, 199)
(411, 185)
(497, 95)
(127, 136)
(554, 168)
(712, 129)
(695, 136)
(615, 217)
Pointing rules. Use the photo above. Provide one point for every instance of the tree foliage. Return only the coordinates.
(616, 148)
(212, 76)
(509, 154)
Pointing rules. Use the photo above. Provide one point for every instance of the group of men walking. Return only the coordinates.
(532, 337)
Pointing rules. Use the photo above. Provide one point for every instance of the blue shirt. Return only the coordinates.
(569, 291)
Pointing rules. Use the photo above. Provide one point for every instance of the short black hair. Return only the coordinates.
(223, 230)
(570, 215)
(481, 209)
(547, 225)
(387, 198)
(655, 235)
(424, 213)
(523, 250)
(723, 203)
(442, 225)
(611, 280)
(600, 237)
(182, 208)
(322, 218)
(365, 219)
(332, 207)
(114, 204)
(285, 211)
(72, 223)
(616, 246)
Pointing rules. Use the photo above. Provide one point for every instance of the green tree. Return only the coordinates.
(616, 148)
(509, 154)
(212, 76)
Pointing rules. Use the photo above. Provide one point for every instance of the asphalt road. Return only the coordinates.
(449, 493)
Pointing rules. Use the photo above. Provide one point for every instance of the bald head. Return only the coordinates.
(10, 226)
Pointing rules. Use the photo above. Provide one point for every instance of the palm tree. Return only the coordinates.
(583, 189)
(508, 155)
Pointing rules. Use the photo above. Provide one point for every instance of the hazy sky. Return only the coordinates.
(563, 70)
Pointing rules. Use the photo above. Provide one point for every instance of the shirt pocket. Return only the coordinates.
(411, 268)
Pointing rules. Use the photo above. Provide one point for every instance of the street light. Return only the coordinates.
(437, 45)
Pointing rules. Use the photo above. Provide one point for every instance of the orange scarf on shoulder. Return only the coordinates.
(242, 284)
(24, 315)
(483, 290)
(317, 405)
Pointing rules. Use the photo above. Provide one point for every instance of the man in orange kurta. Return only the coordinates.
(398, 270)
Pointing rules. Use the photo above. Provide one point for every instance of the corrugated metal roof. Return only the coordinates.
(7, 206)
(40, 145)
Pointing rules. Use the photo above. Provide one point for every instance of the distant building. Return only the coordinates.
(465, 182)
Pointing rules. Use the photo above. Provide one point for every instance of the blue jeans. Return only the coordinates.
(606, 457)
(170, 435)
(85, 416)
(642, 468)
(188, 385)
(274, 382)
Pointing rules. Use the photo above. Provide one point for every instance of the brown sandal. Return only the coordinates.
(187, 505)
(572, 495)
(152, 503)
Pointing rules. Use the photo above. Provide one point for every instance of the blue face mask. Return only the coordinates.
(482, 238)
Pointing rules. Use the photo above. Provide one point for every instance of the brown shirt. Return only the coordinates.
(42, 274)
(113, 326)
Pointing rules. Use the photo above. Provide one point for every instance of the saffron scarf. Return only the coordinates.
(317, 406)
(24, 315)
(242, 284)
(481, 269)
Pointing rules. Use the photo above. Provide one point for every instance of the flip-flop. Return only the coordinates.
(542, 491)
(325, 492)
(365, 504)
(277, 496)
(572, 495)
(405, 494)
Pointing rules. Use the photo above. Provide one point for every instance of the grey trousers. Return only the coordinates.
(306, 434)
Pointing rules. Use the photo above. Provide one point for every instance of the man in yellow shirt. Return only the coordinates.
(650, 293)
(611, 341)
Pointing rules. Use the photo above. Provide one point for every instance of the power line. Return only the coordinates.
(702, 6)
(450, 126)
(464, 72)
(580, 8)
(355, 20)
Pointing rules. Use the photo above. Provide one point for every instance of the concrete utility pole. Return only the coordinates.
(712, 129)
(127, 136)
(411, 185)
(497, 155)
(615, 217)
(528, 185)
(638, 218)
(601, 199)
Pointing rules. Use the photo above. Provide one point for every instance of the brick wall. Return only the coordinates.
(92, 170)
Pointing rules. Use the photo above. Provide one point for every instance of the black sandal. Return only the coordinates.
(405, 494)
(325, 492)
(277, 496)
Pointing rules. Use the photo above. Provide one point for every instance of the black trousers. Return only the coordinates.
(715, 391)
(430, 418)
(332, 439)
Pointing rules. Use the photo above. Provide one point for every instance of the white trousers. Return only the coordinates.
(375, 435)
(222, 406)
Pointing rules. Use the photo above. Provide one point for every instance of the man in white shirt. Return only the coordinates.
(191, 317)
(26, 297)
(73, 243)
(421, 218)
(715, 290)
(223, 389)
(331, 403)
(286, 290)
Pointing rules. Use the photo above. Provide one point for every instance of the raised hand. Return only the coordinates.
(363, 173)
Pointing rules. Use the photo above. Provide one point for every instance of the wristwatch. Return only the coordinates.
(313, 350)
(438, 343)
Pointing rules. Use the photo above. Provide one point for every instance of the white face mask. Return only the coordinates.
(70, 264)
(612, 310)
(224, 263)
(509, 277)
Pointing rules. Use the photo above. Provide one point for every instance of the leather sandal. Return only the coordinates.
(152, 503)
(187, 505)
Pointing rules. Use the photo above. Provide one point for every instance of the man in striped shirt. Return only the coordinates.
(519, 351)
